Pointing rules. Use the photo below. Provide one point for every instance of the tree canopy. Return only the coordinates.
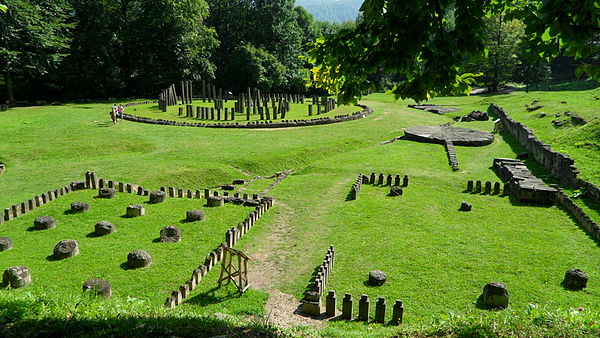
(427, 41)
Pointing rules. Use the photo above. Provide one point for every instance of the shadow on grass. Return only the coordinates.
(16, 322)
(211, 297)
(92, 234)
(590, 236)
(125, 266)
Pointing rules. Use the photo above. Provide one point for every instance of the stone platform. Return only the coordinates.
(444, 134)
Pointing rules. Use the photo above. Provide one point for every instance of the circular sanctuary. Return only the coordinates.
(216, 108)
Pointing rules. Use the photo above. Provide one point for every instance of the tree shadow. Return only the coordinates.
(210, 297)
(18, 323)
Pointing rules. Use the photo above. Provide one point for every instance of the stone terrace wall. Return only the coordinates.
(586, 222)
(559, 165)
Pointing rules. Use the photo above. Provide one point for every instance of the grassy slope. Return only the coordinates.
(426, 239)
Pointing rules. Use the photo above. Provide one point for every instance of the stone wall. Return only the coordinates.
(559, 165)
(580, 216)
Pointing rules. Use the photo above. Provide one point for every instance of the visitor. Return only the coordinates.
(120, 110)
(113, 114)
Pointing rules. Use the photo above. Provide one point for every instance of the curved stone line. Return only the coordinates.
(256, 125)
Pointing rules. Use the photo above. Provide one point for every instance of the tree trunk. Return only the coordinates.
(10, 97)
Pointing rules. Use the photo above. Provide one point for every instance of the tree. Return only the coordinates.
(271, 26)
(415, 39)
(503, 41)
(34, 38)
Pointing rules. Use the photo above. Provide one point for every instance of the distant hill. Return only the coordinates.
(332, 10)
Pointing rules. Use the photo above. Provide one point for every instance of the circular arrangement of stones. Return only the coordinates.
(366, 111)
(5, 244)
(135, 210)
(377, 277)
(77, 207)
(106, 192)
(44, 223)
(158, 196)
(170, 234)
(441, 134)
(16, 277)
(65, 249)
(194, 215)
(104, 228)
(98, 287)
(139, 259)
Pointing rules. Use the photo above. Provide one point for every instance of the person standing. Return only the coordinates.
(120, 110)
(113, 114)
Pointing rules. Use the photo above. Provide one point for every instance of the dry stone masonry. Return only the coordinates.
(559, 165)
(524, 186)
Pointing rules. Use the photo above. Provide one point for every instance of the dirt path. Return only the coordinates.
(269, 264)
(281, 309)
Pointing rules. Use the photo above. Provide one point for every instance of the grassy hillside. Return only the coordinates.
(437, 258)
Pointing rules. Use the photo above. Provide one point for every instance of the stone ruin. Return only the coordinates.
(78, 207)
(495, 295)
(449, 137)
(98, 287)
(170, 234)
(106, 193)
(5, 244)
(16, 277)
(44, 223)
(377, 278)
(436, 109)
(104, 228)
(158, 196)
(523, 185)
(194, 215)
(65, 249)
(135, 210)
(475, 115)
(575, 279)
(443, 134)
(138, 259)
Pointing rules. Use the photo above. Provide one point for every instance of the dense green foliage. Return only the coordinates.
(258, 34)
(427, 42)
(33, 39)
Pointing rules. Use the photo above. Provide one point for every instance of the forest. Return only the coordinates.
(74, 49)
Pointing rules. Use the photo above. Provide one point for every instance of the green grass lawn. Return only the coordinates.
(437, 259)
(104, 257)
